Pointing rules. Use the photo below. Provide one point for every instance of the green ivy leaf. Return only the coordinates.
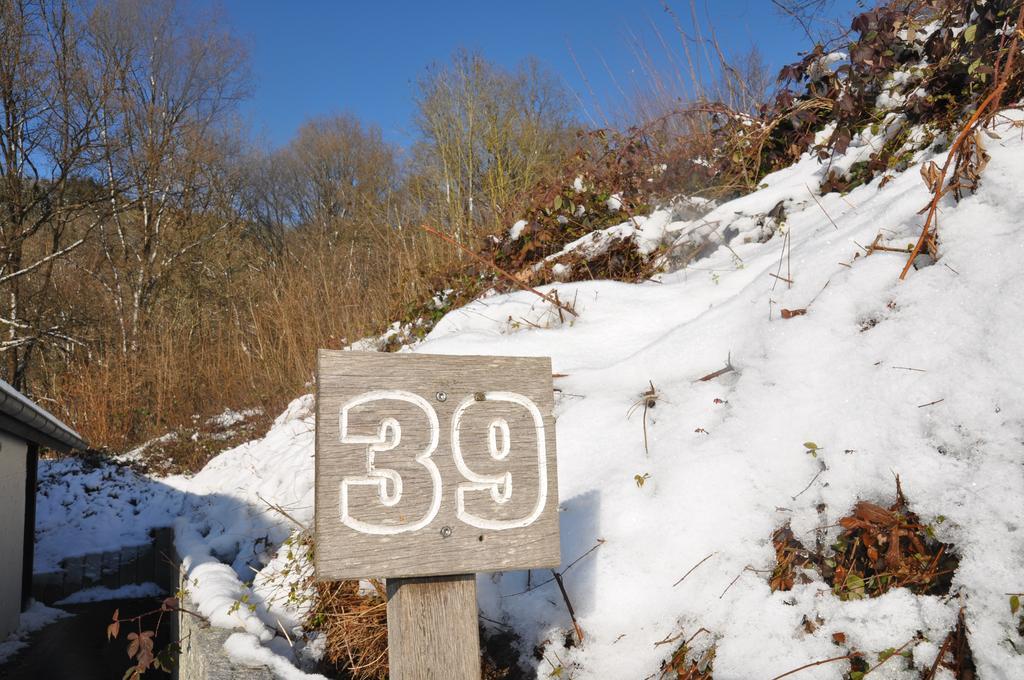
(810, 445)
(854, 587)
(1014, 604)
(970, 32)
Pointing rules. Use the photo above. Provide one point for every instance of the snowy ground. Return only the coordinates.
(34, 618)
(725, 462)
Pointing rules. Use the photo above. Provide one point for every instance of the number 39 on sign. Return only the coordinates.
(432, 464)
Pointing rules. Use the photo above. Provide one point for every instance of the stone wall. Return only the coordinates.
(152, 562)
(202, 655)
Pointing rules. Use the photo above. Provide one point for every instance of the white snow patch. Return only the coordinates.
(102, 593)
(517, 229)
(36, 617)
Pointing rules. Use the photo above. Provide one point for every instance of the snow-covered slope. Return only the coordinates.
(725, 463)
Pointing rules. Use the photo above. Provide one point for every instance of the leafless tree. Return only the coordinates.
(49, 201)
(171, 85)
(488, 135)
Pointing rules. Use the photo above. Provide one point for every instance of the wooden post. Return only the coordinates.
(428, 469)
(433, 632)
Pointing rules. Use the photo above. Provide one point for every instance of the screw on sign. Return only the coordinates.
(429, 469)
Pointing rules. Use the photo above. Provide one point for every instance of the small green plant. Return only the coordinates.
(812, 449)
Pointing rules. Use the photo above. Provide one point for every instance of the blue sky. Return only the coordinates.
(320, 57)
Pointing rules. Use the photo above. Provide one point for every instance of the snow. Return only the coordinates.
(245, 650)
(517, 229)
(725, 461)
(102, 593)
(231, 417)
(36, 617)
(85, 507)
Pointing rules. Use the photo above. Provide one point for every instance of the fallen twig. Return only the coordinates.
(823, 468)
(895, 652)
(822, 208)
(597, 545)
(694, 567)
(853, 655)
(722, 371)
(732, 582)
(568, 605)
(876, 245)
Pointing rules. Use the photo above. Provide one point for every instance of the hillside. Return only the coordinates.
(877, 380)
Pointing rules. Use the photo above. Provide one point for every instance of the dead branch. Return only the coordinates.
(722, 371)
(981, 115)
(691, 569)
(853, 655)
(568, 605)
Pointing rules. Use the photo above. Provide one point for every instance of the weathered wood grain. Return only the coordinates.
(520, 532)
(432, 628)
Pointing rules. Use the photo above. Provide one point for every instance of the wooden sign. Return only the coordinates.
(429, 465)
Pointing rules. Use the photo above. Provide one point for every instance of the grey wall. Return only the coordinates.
(12, 529)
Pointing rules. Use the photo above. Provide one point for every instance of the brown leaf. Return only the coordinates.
(931, 175)
(790, 313)
(875, 514)
(133, 646)
(145, 660)
(839, 638)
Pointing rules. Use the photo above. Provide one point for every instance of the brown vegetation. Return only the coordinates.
(878, 549)
(355, 624)
(688, 662)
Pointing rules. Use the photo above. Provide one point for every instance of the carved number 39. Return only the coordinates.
(388, 483)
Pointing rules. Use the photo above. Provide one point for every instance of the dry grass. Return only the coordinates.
(355, 624)
(252, 338)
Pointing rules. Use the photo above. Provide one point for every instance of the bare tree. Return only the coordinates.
(335, 181)
(345, 172)
(488, 135)
(49, 203)
(171, 85)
